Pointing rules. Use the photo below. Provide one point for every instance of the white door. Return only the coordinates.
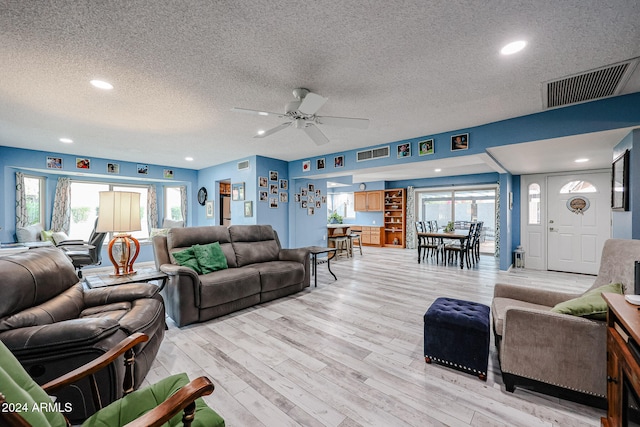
(575, 237)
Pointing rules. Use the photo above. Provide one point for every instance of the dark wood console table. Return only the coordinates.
(623, 367)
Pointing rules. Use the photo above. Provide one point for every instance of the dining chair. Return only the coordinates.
(462, 247)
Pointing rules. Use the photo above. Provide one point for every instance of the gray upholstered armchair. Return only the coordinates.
(558, 354)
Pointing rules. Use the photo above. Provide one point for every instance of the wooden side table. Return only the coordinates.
(143, 275)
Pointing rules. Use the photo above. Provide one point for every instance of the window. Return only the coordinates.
(34, 191)
(578, 187)
(534, 203)
(342, 203)
(172, 204)
(85, 202)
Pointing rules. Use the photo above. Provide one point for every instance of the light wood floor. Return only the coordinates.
(349, 352)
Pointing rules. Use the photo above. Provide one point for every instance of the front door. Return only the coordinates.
(578, 221)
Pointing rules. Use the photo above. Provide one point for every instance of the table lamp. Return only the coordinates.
(119, 213)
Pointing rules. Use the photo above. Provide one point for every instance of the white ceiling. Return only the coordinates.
(413, 68)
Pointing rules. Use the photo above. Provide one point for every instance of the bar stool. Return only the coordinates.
(341, 243)
(355, 237)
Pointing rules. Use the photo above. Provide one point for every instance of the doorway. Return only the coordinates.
(566, 220)
(225, 202)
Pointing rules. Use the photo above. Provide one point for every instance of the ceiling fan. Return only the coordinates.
(301, 114)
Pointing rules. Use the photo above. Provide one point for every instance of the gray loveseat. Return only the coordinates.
(259, 270)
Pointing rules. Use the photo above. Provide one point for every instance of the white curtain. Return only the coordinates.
(61, 217)
(152, 208)
(411, 218)
(22, 218)
(183, 204)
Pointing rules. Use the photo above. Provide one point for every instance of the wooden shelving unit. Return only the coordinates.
(395, 203)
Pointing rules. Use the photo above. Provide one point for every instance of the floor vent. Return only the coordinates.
(594, 84)
(376, 153)
(243, 165)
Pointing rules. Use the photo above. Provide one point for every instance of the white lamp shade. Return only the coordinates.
(119, 212)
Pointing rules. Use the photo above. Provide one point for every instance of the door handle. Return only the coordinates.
(555, 230)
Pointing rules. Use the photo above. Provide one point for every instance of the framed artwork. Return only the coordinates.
(264, 196)
(54, 162)
(209, 208)
(324, 199)
(312, 188)
(304, 192)
(237, 191)
(404, 150)
(620, 183)
(248, 209)
(284, 197)
(113, 168)
(318, 205)
(142, 169)
(425, 147)
(310, 211)
(318, 193)
(273, 175)
(306, 166)
(273, 202)
(168, 173)
(284, 184)
(273, 188)
(320, 164)
(338, 162)
(296, 197)
(303, 204)
(262, 181)
(460, 142)
(82, 163)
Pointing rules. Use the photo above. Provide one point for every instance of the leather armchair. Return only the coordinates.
(52, 324)
(558, 354)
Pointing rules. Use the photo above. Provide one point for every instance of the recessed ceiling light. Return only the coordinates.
(437, 170)
(100, 84)
(263, 113)
(66, 140)
(581, 160)
(513, 47)
(189, 159)
(261, 132)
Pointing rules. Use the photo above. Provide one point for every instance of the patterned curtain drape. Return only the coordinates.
(497, 238)
(22, 218)
(183, 204)
(152, 208)
(61, 217)
(411, 218)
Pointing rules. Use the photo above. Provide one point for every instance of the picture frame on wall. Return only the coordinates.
(264, 196)
(620, 182)
(142, 169)
(338, 162)
(284, 184)
(425, 147)
(209, 208)
(460, 142)
(54, 162)
(83, 163)
(320, 163)
(404, 150)
(248, 208)
(310, 211)
(273, 188)
(168, 173)
(296, 197)
(262, 181)
(113, 168)
(273, 202)
(237, 191)
(273, 175)
(284, 197)
(306, 166)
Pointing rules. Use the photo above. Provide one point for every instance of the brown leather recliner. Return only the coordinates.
(53, 325)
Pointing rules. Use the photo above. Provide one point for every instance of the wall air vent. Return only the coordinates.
(376, 153)
(587, 86)
(243, 165)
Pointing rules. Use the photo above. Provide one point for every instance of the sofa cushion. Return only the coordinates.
(279, 274)
(210, 257)
(223, 286)
(254, 244)
(590, 304)
(185, 237)
(187, 258)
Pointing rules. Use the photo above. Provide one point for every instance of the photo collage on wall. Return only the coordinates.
(273, 190)
(310, 199)
(56, 162)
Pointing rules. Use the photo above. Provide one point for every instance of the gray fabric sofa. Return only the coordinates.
(52, 324)
(259, 270)
(558, 354)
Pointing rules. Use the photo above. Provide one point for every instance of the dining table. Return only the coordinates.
(461, 235)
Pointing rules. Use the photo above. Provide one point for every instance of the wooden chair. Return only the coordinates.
(431, 246)
(341, 241)
(464, 248)
(157, 405)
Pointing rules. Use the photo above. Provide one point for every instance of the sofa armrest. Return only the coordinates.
(531, 295)
(300, 254)
(178, 270)
(58, 336)
(110, 294)
(181, 294)
(558, 349)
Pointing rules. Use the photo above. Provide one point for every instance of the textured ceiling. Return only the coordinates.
(412, 67)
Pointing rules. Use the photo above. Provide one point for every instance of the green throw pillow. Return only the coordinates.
(47, 236)
(590, 304)
(210, 257)
(187, 258)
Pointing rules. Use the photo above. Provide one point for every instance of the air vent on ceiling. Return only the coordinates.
(243, 165)
(376, 153)
(594, 84)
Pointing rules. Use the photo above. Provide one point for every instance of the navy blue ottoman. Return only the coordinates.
(456, 334)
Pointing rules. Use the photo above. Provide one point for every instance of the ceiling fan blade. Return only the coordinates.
(348, 122)
(315, 134)
(273, 130)
(257, 112)
(311, 103)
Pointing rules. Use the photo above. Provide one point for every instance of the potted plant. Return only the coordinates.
(335, 218)
(449, 228)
